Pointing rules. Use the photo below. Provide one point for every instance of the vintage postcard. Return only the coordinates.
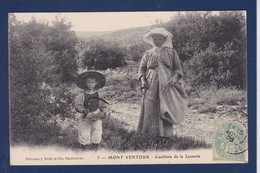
(119, 88)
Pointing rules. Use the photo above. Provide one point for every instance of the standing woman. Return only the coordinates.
(164, 99)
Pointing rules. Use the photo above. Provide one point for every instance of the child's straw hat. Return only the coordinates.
(81, 79)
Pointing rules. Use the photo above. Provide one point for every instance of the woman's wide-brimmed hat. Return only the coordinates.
(81, 79)
(148, 37)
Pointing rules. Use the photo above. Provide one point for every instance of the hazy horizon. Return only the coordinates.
(101, 21)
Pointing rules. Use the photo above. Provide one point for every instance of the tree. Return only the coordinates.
(36, 78)
(61, 41)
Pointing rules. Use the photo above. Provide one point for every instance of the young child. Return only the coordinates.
(92, 109)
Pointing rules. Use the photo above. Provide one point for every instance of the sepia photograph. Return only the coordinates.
(118, 88)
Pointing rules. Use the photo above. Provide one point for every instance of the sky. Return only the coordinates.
(100, 21)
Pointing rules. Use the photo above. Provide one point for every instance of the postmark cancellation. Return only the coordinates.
(230, 142)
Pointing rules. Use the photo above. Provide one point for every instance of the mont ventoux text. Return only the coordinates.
(156, 156)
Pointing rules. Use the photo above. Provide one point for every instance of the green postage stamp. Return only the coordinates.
(230, 141)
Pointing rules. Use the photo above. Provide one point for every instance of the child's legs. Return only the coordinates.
(84, 132)
(96, 132)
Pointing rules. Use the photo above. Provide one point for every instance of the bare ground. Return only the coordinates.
(197, 125)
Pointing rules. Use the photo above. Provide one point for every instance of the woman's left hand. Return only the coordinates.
(170, 82)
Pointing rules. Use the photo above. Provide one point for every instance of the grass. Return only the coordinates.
(211, 97)
(116, 137)
(206, 108)
(231, 96)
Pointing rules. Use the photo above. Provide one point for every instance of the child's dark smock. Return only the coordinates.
(91, 102)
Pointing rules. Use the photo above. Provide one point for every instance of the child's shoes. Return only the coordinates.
(94, 146)
(84, 147)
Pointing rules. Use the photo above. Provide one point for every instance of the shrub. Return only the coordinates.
(195, 33)
(41, 66)
(211, 67)
(223, 96)
(101, 55)
(211, 96)
(230, 96)
(136, 51)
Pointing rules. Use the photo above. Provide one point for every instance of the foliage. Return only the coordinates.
(211, 97)
(60, 40)
(212, 66)
(204, 35)
(136, 51)
(100, 55)
(37, 75)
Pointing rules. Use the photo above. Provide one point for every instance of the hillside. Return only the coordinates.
(124, 37)
(86, 35)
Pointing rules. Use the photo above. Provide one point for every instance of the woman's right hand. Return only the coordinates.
(144, 84)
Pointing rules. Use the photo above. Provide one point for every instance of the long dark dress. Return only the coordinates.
(160, 110)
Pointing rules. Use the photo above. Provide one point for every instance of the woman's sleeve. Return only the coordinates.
(143, 65)
(177, 64)
(79, 103)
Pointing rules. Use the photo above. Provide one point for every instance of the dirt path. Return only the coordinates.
(127, 113)
(196, 125)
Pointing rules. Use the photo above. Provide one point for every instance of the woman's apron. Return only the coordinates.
(173, 100)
